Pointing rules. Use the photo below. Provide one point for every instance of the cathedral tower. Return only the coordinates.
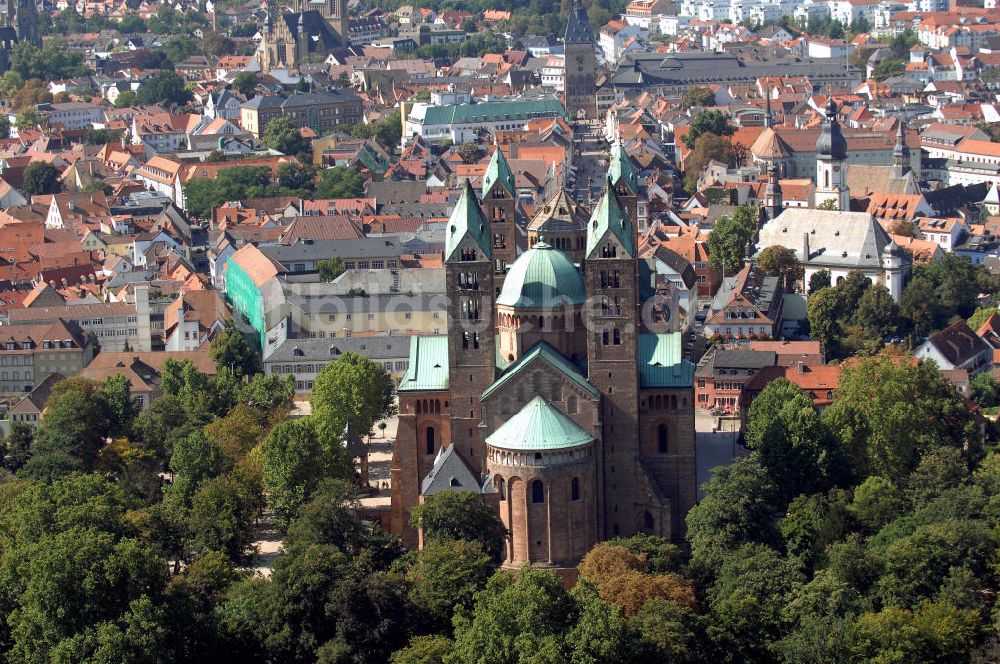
(831, 163)
(612, 344)
(580, 73)
(500, 205)
(625, 181)
(469, 279)
(26, 21)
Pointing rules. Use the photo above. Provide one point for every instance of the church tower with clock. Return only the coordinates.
(580, 74)
(831, 163)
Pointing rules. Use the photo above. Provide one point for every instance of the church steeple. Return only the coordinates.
(772, 193)
(768, 115)
(900, 152)
(831, 163)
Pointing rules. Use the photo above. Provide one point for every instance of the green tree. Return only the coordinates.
(445, 576)
(707, 148)
(296, 462)
(889, 411)
(460, 515)
(819, 280)
(746, 600)
(245, 83)
(778, 261)
(739, 507)
(340, 182)
(707, 122)
(389, 129)
(601, 633)
(164, 87)
(41, 178)
(980, 316)
(296, 179)
(195, 459)
(221, 518)
(469, 152)
(730, 239)
(75, 422)
(350, 394)
(330, 268)
(230, 349)
(126, 98)
(424, 650)
(698, 95)
(985, 390)
(823, 310)
(877, 313)
(281, 135)
(519, 616)
(794, 446)
(17, 446)
(155, 428)
(876, 502)
(122, 407)
(4, 127)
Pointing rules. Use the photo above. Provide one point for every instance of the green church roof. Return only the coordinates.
(661, 362)
(498, 169)
(467, 219)
(609, 216)
(428, 366)
(621, 168)
(554, 359)
(539, 426)
(542, 278)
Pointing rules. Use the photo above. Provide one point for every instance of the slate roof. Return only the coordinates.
(449, 473)
(958, 343)
(836, 238)
(578, 30)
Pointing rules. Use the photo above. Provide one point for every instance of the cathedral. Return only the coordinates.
(557, 396)
(308, 34)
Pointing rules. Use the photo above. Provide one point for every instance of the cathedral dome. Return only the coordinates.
(542, 278)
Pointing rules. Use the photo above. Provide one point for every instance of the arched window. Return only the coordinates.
(430, 440)
(537, 492)
(574, 489)
(662, 438)
(571, 405)
(501, 488)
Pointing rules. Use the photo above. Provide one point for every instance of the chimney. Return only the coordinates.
(805, 247)
(800, 367)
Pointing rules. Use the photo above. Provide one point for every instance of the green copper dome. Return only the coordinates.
(539, 426)
(542, 278)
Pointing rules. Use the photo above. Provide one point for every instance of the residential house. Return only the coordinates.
(747, 306)
(957, 347)
(33, 350)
